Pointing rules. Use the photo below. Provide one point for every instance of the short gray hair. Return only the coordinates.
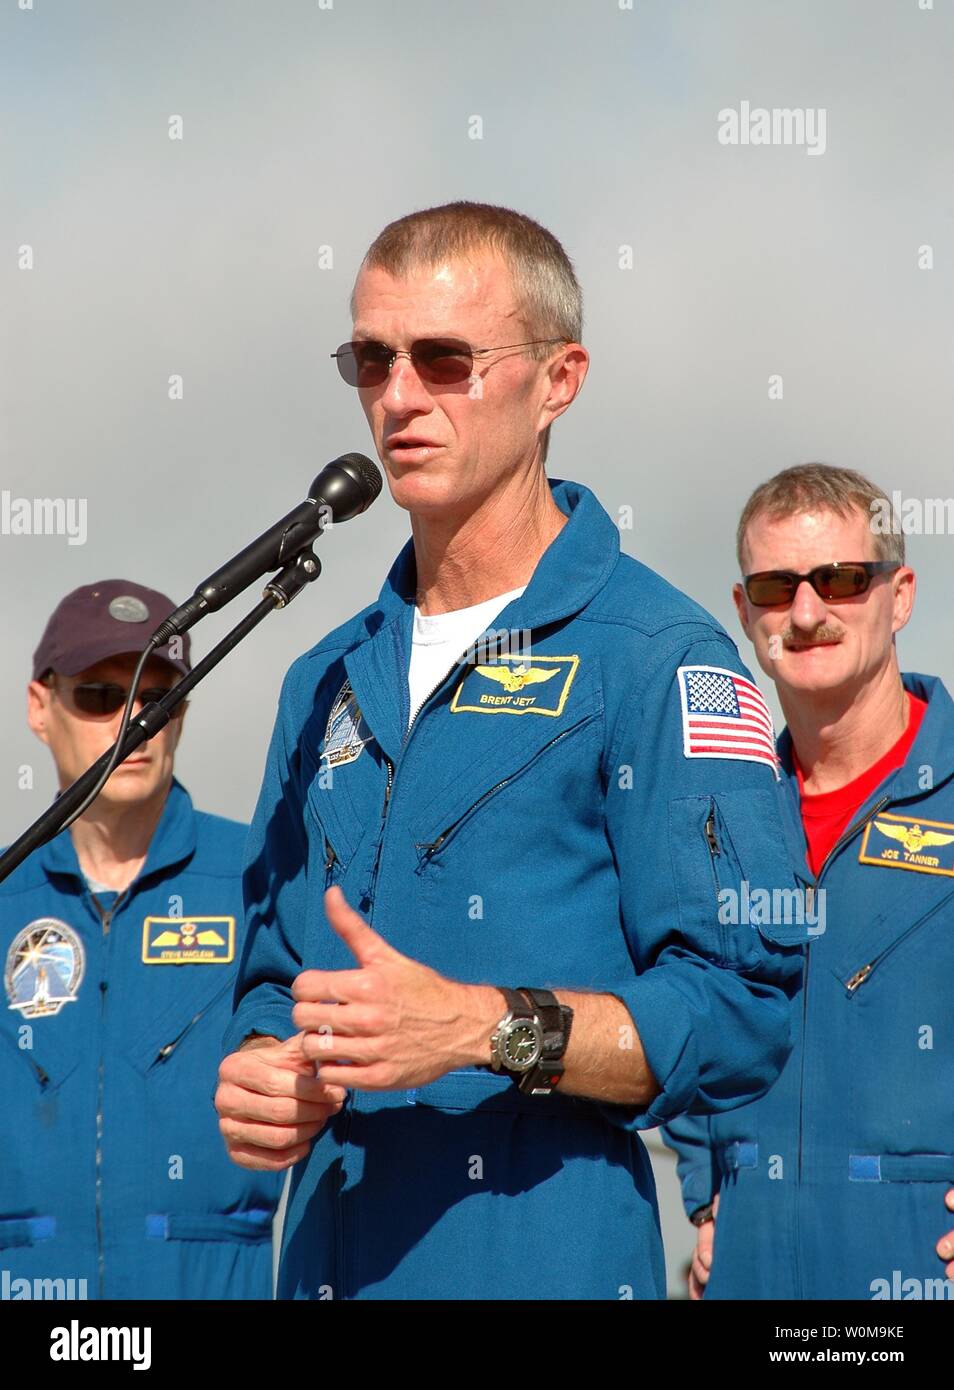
(547, 291)
(811, 487)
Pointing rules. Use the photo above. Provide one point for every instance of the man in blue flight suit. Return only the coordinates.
(834, 1184)
(120, 939)
(541, 811)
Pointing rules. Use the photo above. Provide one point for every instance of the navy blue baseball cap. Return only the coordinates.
(101, 620)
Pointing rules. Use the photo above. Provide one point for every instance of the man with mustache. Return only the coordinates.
(834, 1184)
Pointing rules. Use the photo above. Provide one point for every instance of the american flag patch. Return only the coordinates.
(725, 716)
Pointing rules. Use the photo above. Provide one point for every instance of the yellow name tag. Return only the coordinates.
(517, 685)
(188, 940)
(904, 842)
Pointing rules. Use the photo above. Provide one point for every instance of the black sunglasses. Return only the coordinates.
(98, 699)
(438, 361)
(838, 580)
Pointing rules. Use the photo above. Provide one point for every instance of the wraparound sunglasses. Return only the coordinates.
(838, 580)
(98, 699)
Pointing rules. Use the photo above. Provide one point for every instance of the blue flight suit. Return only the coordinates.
(113, 1169)
(832, 1185)
(539, 825)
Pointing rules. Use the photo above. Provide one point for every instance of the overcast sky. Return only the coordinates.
(306, 126)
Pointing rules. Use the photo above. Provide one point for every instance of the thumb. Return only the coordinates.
(361, 939)
(287, 1056)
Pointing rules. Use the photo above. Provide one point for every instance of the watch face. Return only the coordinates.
(521, 1047)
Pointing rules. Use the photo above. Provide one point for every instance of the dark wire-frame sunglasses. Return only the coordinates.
(437, 361)
(840, 579)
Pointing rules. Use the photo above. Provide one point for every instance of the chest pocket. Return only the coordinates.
(43, 1064)
(478, 756)
(172, 1034)
(897, 996)
(342, 805)
(533, 767)
(38, 1109)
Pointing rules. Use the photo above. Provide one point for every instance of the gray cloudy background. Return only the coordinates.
(307, 126)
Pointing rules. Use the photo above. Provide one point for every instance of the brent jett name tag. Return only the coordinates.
(904, 842)
(517, 685)
(188, 940)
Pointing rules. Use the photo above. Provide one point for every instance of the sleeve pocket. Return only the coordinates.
(733, 875)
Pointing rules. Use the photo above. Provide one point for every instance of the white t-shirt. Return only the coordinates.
(439, 640)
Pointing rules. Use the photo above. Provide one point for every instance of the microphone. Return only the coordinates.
(345, 488)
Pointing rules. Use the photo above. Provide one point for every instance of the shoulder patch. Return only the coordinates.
(725, 716)
(346, 733)
(44, 969)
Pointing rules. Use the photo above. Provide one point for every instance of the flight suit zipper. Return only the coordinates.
(711, 835)
(106, 917)
(372, 885)
(715, 851)
(809, 908)
(370, 892)
(41, 1075)
(330, 860)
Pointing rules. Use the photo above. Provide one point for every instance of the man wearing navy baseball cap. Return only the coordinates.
(120, 939)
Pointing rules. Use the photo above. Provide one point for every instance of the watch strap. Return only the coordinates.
(516, 1003)
(556, 1020)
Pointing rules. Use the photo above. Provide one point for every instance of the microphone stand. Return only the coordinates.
(278, 593)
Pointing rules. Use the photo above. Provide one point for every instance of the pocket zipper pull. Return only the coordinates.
(164, 1052)
(330, 857)
(711, 835)
(858, 978)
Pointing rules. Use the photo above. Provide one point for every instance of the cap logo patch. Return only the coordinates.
(128, 609)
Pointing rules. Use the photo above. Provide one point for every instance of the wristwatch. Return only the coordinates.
(557, 1019)
(517, 1041)
(531, 1038)
(702, 1214)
